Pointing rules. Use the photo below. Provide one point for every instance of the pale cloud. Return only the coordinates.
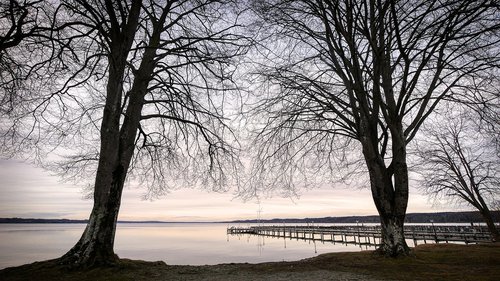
(26, 191)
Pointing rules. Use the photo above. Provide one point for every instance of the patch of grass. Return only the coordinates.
(427, 262)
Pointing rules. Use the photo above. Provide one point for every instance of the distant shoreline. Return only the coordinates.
(71, 221)
(439, 217)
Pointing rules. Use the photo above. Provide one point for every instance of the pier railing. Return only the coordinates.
(369, 235)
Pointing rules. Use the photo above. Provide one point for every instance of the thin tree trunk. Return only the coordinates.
(477, 201)
(495, 235)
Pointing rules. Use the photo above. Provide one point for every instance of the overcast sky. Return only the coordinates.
(29, 192)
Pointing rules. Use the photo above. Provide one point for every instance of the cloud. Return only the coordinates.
(27, 191)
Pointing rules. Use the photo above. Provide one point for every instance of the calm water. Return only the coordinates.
(183, 243)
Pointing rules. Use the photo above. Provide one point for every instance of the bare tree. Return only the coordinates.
(459, 163)
(144, 93)
(30, 22)
(362, 75)
(22, 20)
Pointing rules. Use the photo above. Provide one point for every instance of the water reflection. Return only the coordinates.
(174, 243)
(26, 243)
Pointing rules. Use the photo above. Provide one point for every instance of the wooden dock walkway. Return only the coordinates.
(368, 235)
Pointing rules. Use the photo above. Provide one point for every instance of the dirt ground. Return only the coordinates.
(427, 262)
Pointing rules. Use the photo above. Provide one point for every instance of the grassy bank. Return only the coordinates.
(429, 262)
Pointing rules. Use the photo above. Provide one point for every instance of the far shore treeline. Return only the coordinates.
(440, 217)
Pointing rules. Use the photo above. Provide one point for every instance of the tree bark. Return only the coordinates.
(95, 247)
(393, 238)
(389, 185)
(391, 202)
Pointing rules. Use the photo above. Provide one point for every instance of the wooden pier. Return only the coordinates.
(368, 235)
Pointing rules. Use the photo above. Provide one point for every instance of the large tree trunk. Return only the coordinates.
(391, 202)
(389, 186)
(393, 238)
(95, 247)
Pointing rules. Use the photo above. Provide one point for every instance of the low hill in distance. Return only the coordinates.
(31, 220)
(441, 217)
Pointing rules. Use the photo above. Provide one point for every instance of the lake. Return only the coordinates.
(174, 243)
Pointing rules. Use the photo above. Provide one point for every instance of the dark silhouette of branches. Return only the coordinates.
(458, 163)
(140, 94)
(369, 71)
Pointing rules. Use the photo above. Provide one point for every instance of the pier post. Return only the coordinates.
(434, 229)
